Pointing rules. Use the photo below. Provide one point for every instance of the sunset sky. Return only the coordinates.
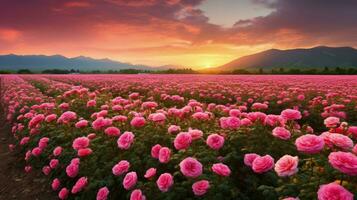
(194, 33)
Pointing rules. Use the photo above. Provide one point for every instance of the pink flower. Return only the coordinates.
(79, 185)
(101, 122)
(80, 143)
(28, 169)
(67, 117)
(164, 155)
(344, 162)
(263, 164)
(354, 150)
(200, 188)
(341, 141)
(130, 180)
(63, 194)
(215, 141)
(249, 158)
(291, 198)
(229, 122)
(309, 144)
(274, 120)
(221, 169)
(43, 142)
(137, 195)
(331, 122)
(55, 184)
(36, 151)
(84, 152)
(91, 103)
(24, 140)
(125, 140)
(291, 114)
(72, 170)
(164, 182)
(281, 133)
(191, 167)
(46, 170)
(112, 131)
(102, 193)
(173, 129)
(333, 191)
(150, 173)
(155, 151)
(182, 140)
(287, 166)
(54, 163)
(81, 124)
(195, 133)
(57, 151)
(50, 118)
(121, 168)
(138, 122)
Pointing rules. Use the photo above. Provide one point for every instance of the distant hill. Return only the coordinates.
(318, 57)
(41, 62)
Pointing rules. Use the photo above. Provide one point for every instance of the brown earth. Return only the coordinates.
(14, 183)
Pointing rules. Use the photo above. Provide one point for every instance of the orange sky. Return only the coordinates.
(193, 33)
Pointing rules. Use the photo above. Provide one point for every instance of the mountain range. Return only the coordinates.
(317, 58)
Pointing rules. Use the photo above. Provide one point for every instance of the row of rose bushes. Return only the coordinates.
(121, 142)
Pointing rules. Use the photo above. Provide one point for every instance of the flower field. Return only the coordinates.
(186, 136)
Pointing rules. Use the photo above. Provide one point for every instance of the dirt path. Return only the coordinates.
(14, 183)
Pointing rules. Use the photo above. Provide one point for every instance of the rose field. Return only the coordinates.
(186, 136)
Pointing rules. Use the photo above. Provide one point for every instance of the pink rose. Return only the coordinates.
(200, 188)
(221, 169)
(121, 168)
(155, 151)
(80, 143)
(173, 129)
(63, 194)
(164, 182)
(150, 173)
(291, 114)
(164, 155)
(57, 151)
(341, 141)
(125, 140)
(249, 158)
(309, 143)
(138, 122)
(263, 164)
(215, 141)
(137, 195)
(281, 133)
(54, 163)
(130, 180)
(112, 131)
(84, 152)
(46, 170)
(55, 184)
(81, 124)
(287, 166)
(72, 170)
(344, 161)
(331, 122)
(102, 193)
(229, 122)
(333, 191)
(79, 185)
(182, 140)
(191, 167)
(195, 133)
(36, 151)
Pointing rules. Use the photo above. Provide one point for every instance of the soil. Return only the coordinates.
(14, 182)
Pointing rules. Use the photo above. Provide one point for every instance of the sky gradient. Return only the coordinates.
(193, 33)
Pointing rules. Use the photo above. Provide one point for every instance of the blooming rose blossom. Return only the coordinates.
(55, 184)
(282, 133)
(155, 151)
(137, 195)
(84, 152)
(173, 129)
(249, 158)
(333, 191)
(221, 169)
(138, 122)
(130, 180)
(200, 188)
(344, 162)
(164, 182)
(57, 151)
(191, 167)
(80, 143)
(291, 114)
(150, 173)
(63, 194)
(102, 193)
(121, 168)
(215, 141)
(182, 140)
(125, 140)
(164, 155)
(263, 164)
(112, 131)
(331, 122)
(309, 144)
(287, 165)
(341, 141)
(79, 185)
